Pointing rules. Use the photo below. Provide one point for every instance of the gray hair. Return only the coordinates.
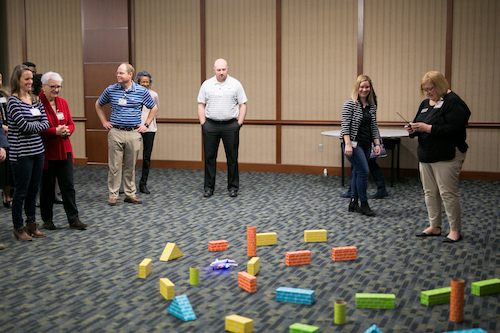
(51, 76)
(142, 74)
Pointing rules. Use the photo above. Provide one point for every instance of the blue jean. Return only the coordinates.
(27, 172)
(359, 176)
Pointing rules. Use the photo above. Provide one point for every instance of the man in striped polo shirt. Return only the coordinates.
(124, 137)
(221, 109)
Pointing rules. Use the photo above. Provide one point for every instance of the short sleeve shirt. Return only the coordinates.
(126, 105)
(222, 99)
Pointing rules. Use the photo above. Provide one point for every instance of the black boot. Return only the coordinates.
(143, 189)
(365, 209)
(354, 206)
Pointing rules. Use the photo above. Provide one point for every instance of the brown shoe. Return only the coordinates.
(20, 234)
(49, 225)
(32, 230)
(112, 202)
(133, 200)
(78, 225)
(2, 246)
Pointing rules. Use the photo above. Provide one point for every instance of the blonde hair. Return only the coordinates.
(438, 80)
(372, 97)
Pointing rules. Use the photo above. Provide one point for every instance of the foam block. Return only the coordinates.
(167, 289)
(344, 253)
(251, 241)
(239, 324)
(373, 329)
(375, 301)
(170, 252)
(303, 328)
(253, 266)
(247, 282)
(315, 236)
(295, 295)
(217, 245)
(472, 330)
(144, 268)
(435, 296)
(486, 287)
(297, 258)
(181, 308)
(267, 238)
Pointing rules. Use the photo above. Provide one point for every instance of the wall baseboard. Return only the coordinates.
(292, 168)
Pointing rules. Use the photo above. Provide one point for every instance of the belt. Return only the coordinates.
(125, 128)
(221, 121)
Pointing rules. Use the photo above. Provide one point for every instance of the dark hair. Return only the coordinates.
(16, 77)
(37, 84)
(142, 74)
(29, 64)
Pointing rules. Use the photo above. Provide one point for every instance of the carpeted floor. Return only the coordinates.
(87, 281)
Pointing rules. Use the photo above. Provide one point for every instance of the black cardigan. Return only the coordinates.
(448, 129)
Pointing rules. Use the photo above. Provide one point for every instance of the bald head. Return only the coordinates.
(220, 69)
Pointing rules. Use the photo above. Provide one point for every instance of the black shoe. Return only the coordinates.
(143, 189)
(233, 193)
(208, 193)
(381, 193)
(365, 209)
(49, 225)
(423, 234)
(78, 225)
(354, 206)
(449, 240)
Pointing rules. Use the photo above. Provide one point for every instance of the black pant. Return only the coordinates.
(63, 170)
(147, 147)
(229, 132)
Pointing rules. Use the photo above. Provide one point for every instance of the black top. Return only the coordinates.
(364, 133)
(449, 118)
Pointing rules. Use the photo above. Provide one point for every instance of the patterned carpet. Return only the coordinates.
(87, 281)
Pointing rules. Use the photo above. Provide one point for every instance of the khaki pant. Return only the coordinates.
(440, 183)
(122, 146)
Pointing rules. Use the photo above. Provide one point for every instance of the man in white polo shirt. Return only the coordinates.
(221, 109)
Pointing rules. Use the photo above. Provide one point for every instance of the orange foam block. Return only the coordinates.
(457, 300)
(247, 282)
(344, 253)
(217, 245)
(252, 241)
(297, 258)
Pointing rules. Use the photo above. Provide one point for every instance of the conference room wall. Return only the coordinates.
(474, 67)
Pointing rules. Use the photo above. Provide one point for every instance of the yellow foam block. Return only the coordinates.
(144, 268)
(315, 236)
(167, 289)
(253, 266)
(170, 252)
(267, 238)
(239, 324)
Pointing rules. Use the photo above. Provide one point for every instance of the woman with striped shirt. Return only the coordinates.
(359, 130)
(26, 120)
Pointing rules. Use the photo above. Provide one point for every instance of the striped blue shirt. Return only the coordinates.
(25, 123)
(126, 105)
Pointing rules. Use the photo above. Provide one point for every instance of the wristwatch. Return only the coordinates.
(146, 124)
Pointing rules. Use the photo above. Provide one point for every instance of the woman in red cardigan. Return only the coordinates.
(58, 154)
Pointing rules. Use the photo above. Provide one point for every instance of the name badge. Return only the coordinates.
(122, 101)
(439, 104)
(3, 100)
(60, 115)
(35, 112)
(424, 110)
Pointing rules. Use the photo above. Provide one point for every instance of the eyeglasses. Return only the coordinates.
(55, 87)
(428, 89)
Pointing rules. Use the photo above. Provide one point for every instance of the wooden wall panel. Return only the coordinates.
(475, 65)
(244, 33)
(78, 140)
(403, 40)
(301, 143)
(483, 150)
(167, 45)
(54, 39)
(257, 144)
(15, 48)
(319, 52)
(180, 142)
